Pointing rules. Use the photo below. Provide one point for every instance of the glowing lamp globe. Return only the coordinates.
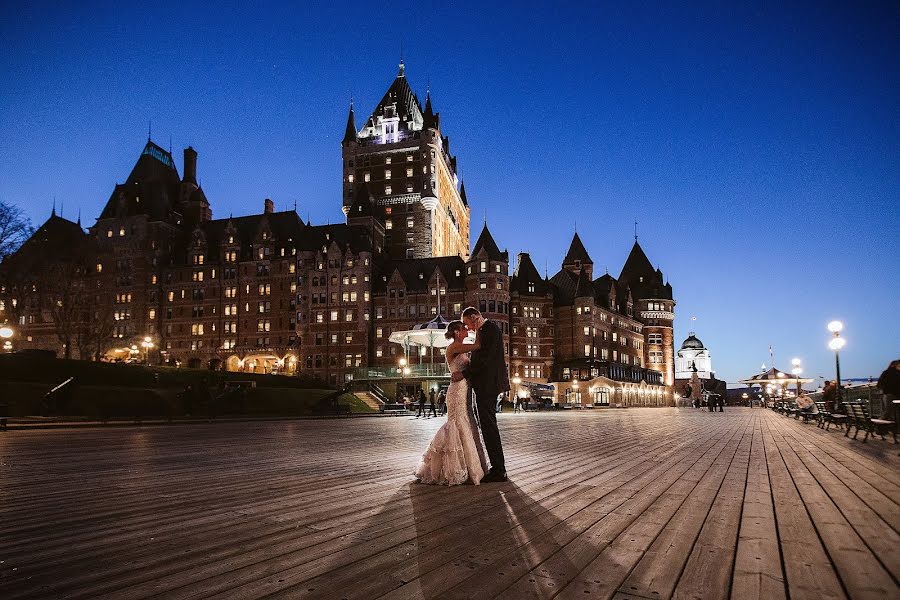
(6, 332)
(837, 343)
(835, 327)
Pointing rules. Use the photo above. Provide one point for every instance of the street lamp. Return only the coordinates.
(6, 332)
(836, 343)
(575, 388)
(796, 371)
(517, 380)
(147, 345)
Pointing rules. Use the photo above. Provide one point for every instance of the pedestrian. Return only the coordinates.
(829, 395)
(431, 395)
(420, 396)
(187, 399)
(516, 404)
(889, 384)
(442, 403)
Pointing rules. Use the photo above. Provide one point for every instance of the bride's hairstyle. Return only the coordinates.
(452, 328)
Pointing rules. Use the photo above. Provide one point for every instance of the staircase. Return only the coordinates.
(370, 399)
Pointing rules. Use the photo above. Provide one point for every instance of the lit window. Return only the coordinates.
(387, 173)
(388, 190)
(367, 176)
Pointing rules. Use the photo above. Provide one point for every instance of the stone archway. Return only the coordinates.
(233, 363)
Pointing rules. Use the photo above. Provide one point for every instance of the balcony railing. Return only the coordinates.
(434, 371)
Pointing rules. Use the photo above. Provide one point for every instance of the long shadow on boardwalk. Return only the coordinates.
(459, 542)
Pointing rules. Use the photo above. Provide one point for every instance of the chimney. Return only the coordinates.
(269, 206)
(190, 165)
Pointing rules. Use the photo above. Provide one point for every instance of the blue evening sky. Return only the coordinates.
(755, 144)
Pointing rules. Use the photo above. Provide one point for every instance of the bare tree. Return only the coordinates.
(15, 228)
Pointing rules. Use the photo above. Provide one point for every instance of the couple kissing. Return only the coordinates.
(455, 454)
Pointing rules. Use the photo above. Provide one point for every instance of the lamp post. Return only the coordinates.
(147, 345)
(516, 381)
(6, 332)
(836, 343)
(575, 388)
(796, 371)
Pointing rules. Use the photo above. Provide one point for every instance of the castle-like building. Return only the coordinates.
(269, 292)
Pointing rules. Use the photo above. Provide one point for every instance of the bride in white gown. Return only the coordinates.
(455, 454)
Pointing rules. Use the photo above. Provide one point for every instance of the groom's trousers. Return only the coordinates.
(486, 404)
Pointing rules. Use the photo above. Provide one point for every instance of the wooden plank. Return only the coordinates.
(860, 571)
(758, 574)
(809, 573)
(270, 508)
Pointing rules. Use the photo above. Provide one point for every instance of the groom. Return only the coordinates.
(488, 379)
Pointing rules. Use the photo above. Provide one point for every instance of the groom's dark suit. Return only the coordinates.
(488, 377)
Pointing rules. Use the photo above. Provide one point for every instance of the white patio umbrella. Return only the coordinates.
(429, 335)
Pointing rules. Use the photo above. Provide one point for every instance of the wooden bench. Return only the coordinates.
(826, 418)
(859, 413)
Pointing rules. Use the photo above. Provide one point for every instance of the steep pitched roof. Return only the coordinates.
(584, 289)
(152, 187)
(399, 101)
(526, 273)
(462, 194)
(416, 273)
(602, 287)
(577, 252)
(350, 131)
(645, 281)
(486, 242)
(564, 284)
(57, 239)
(287, 230)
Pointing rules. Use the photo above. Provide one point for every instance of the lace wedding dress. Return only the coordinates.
(455, 454)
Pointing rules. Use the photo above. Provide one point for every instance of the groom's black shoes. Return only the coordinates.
(495, 477)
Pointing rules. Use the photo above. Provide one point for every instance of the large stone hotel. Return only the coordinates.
(271, 293)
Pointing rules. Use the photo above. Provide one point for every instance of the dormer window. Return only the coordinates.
(230, 239)
(531, 286)
(577, 264)
(265, 235)
(641, 279)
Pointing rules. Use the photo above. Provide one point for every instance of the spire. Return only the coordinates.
(53, 212)
(149, 129)
(577, 252)
(79, 216)
(635, 231)
(462, 194)
(486, 242)
(350, 132)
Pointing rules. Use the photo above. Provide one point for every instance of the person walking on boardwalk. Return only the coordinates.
(889, 384)
(420, 396)
(431, 395)
(442, 403)
(488, 377)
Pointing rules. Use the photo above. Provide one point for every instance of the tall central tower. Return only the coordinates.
(400, 164)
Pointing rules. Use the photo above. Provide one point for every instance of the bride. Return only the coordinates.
(455, 454)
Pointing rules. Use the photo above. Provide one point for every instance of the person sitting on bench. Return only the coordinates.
(806, 406)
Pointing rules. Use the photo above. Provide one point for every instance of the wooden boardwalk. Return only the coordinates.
(643, 503)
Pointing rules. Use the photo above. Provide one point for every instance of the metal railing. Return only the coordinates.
(435, 371)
